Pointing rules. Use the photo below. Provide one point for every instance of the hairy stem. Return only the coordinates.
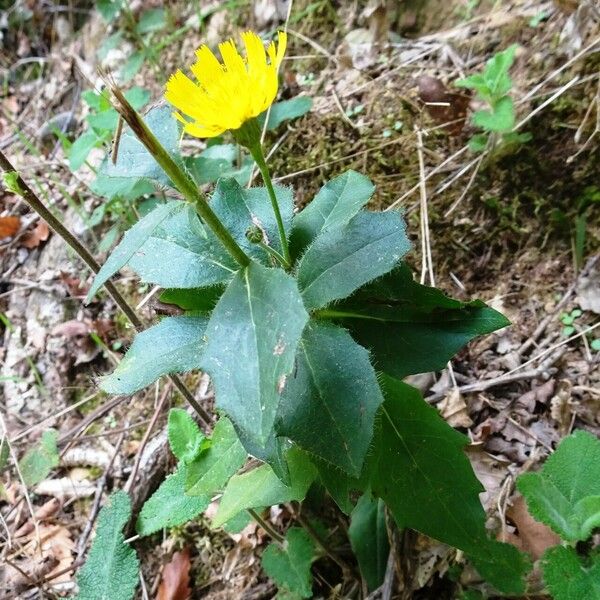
(259, 157)
(17, 185)
(181, 180)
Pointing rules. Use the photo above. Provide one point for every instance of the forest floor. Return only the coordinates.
(519, 229)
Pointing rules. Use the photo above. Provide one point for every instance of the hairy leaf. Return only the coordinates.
(565, 494)
(170, 505)
(240, 208)
(330, 400)
(286, 110)
(260, 315)
(219, 161)
(111, 568)
(271, 452)
(185, 438)
(172, 346)
(500, 118)
(569, 576)
(336, 203)
(131, 242)
(262, 487)
(369, 539)
(419, 469)
(411, 328)
(210, 471)
(196, 301)
(181, 253)
(134, 160)
(37, 462)
(289, 566)
(343, 259)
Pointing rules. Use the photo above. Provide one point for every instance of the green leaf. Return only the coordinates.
(262, 487)
(478, 142)
(329, 404)
(172, 346)
(109, 43)
(240, 209)
(134, 160)
(369, 539)
(111, 568)
(500, 118)
(260, 315)
(569, 576)
(37, 462)
(219, 161)
(210, 471)
(419, 469)
(81, 147)
(412, 328)
(342, 259)
(181, 253)
(289, 565)
(271, 452)
(338, 484)
(496, 71)
(4, 451)
(109, 9)
(565, 494)
(106, 118)
(126, 188)
(131, 242)
(185, 438)
(195, 300)
(132, 66)
(475, 82)
(152, 20)
(286, 110)
(170, 506)
(336, 203)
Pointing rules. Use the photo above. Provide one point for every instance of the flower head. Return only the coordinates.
(226, 95)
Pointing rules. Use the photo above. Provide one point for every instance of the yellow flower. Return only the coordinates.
(229, 94)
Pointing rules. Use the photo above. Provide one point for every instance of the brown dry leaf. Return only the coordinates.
(32, 239)
(57, 549)
(47, 510)
(175, 582)
(74, 285)
(9, 226)
(535, 537)
(454, 409)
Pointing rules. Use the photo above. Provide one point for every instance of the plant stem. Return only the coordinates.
(19, 187)
(259, 157)
(272, 252)
(273, 533)
(181, 180)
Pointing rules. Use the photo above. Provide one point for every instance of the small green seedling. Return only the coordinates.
(568, 320)
(565, 496)
(493, 87)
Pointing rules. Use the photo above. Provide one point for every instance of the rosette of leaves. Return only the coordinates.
(307, 362)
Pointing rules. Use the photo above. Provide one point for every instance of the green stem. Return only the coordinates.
(181, 180)
(259, 157)
(271, 531)
(272, 252)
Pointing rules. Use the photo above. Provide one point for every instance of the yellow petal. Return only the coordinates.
(232, 60)
(255, 52)
(207, 69)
